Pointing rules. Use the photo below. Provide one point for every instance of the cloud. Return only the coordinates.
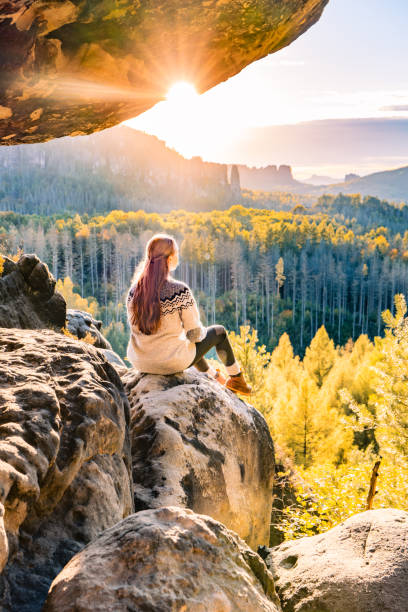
(395, 107)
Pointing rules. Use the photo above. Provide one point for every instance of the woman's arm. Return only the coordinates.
(190, 317)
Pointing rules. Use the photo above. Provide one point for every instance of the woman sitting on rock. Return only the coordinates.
(166, 332)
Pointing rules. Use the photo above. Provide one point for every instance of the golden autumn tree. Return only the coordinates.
(320, 356)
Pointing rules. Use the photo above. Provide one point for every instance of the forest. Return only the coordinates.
(308, 298)
(333, 415)
(331, 264)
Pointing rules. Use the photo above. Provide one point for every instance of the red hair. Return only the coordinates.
(150, 276)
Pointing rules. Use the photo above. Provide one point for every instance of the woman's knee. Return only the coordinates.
(220, 330)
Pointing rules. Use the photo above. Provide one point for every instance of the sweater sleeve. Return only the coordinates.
(190, 318)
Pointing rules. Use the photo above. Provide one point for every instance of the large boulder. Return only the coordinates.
(196, 445)
(360, 565)
(28, 298)
(64, 458)
(165, 560)
(74, 67)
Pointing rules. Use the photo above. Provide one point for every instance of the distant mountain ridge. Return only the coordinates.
(127, 169)
(389, 185)
(339, 145)
(115, 168)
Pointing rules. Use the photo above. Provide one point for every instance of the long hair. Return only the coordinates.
(149, 278)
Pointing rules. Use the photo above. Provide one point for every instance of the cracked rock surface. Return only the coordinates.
(64, 458)
(166, 560)
(77, 66)
(359, 565)
(197, 445)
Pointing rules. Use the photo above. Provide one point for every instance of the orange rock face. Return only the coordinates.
(74, 67)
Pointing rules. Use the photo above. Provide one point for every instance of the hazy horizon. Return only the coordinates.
(337, 70)
(307, 147)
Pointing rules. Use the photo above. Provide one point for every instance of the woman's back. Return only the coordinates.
(172, 347)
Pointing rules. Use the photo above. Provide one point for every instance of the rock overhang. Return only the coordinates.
(76, 66)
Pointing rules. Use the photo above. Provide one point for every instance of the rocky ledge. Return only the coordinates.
(72, 67)
(196, 445)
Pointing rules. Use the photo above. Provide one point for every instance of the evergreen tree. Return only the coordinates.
(391, 417)
(320, 356)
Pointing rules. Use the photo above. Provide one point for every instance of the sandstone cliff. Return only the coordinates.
(81, 450)
(69, 447)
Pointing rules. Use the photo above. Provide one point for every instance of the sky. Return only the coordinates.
(351, 64)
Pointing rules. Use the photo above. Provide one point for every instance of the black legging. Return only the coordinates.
(216, 336)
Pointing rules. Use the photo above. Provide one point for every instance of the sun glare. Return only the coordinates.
(182, 93)
(187, 121)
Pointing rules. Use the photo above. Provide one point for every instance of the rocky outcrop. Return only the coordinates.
(196, 445)
(73, 67)
(360, 565)
(81, 323)
(269, 178)
(235, 182)
(64, 458)
(28, 299)
(167, 559)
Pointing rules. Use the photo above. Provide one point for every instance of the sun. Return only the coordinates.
(185, 120)
(182, 94)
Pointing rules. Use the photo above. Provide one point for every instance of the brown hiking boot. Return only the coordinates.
(237, 384)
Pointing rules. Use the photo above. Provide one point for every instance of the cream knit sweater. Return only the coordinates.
(172, 347)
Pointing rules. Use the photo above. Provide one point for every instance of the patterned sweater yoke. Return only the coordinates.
(175, 295)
